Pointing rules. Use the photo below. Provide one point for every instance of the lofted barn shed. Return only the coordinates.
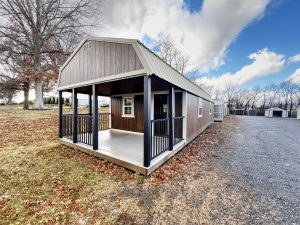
(155, 111)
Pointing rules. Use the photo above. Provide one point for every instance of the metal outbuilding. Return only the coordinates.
(251, 112)
(220, 110)
(276, 112)
(239, 112)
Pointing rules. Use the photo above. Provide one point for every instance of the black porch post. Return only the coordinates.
(171, 121)
(60, 112)
(74, 105)
(90, 104)
(147, 113)
(95, 117)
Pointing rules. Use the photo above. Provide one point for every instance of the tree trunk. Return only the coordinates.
(26, 95)
(38, 102)
(9, 99)
(38, 86)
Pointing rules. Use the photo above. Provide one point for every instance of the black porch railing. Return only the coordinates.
(159, 136)
(84, 126)
(178, 129)
(67, 126)
(159, 130)
(84, 129)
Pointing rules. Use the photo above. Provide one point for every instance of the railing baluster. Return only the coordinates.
(160, 134)
(82, 128)
(84, 122)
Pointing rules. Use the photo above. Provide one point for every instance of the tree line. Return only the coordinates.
(285, 95)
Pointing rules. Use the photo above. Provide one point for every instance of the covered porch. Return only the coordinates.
(141, 143)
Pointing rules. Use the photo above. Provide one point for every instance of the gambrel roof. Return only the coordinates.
(124, 58)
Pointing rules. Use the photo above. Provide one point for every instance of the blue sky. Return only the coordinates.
(278, 30)
(241, 42)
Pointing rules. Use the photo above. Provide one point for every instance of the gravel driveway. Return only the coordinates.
(265, 160)
(248, 173)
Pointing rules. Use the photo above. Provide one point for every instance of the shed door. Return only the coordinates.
(277, 113)
(160, 106)
(161, 112)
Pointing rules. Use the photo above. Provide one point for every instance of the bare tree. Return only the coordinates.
(289, 91)
(43, 28)
(254, 96)
(217, 94)
(171, 54)
(298, 96)
(272, 93)
(229, 93)
(8, 89)
(17, 67)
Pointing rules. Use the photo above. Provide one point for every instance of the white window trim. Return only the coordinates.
(200, 105)
(132, 107)
(210, 108)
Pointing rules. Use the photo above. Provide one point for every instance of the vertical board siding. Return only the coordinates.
(107, 59)
(97, 59)
(131, 58)
(118, 58)
(135, 124)
(113, 58)
(93, 61)
(101, 58)
(196, 125)
(125, 60)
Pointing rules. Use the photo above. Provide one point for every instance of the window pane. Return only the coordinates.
(128, 101)
(200, 111)
(127, 110)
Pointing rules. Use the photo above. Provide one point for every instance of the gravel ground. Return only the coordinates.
(264, 159)
(249, 175)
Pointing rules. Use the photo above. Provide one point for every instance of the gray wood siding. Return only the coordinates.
(96, 59)
(196, 125)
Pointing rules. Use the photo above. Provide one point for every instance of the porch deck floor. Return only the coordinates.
(122, 145)
(125, 149)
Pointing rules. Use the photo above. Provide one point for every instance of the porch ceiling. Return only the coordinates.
(125, 86)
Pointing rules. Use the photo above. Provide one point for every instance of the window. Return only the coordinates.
(165, 108)
(128, 107)
(210, 108)
(200, 108)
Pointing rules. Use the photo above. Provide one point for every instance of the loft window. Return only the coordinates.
(128, 107)
(200, 108)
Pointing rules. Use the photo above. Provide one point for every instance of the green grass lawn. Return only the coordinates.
(43, 182)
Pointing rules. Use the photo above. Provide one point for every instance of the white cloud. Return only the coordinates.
(204, 36)
(264, 63)
(294, 59)
(295, 77)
